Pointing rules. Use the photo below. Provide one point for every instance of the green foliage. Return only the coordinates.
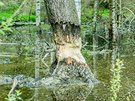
(15, 96)
(13, 9)
(2, 32)
(25, 18)
(5, 26)
(116, 78)
(11, 5)
(87, 14)
(5, 15)
(46, 26)
(86, 53)
(104, 12)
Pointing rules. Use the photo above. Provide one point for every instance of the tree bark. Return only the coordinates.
(118, 12)
(69, 62)
(115, 38)
(37, 46)
(95, 41)
(78, 7)
(115, 49)
(110, 25)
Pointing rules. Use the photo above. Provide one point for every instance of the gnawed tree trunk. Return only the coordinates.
(69, 62)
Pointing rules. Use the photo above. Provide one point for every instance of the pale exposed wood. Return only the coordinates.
(67, 51)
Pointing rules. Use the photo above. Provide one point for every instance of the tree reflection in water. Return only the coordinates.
(65, 93)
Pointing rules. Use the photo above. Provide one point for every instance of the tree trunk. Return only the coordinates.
(110, 25)
(115, 52)
(95, 34)
(115, 37)
(119, 9)
(37, 46)
(69, 62)
(78, 7)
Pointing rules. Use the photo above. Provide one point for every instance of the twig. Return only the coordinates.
(15, 82)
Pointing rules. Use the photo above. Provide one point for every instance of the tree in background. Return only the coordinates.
(95, 40)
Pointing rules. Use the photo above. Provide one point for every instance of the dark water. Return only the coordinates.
(100, 92)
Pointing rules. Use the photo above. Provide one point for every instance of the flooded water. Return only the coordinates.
(100, 92)
(25, 65)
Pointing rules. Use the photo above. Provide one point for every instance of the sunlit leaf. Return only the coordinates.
(127, 98)
(2, 32)
(3, 23)
(1, 3)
